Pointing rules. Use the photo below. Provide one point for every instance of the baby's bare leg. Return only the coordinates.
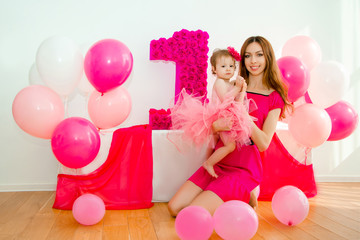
(219, 154)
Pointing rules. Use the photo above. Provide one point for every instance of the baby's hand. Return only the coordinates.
(239, 81)
(244, 87)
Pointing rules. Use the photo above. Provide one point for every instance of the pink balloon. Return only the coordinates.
(194, 223)
(305, 49)
(235, 220)
(109, 109)
(88, 209)
(290, 205)
(107, 64)
(75, 142)
(344, 120)
(296, 75)
(310, 125)
(38, 110)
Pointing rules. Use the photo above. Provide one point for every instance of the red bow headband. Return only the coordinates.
(234, 53)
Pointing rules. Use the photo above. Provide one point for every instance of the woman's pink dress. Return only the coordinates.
(241, 170)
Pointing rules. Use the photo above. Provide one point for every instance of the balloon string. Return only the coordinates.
(103, 132)
(307, 150)
(66, 106)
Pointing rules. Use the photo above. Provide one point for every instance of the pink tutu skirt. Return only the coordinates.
(196, 118)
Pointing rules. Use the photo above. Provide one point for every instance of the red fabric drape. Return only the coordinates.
(280, 169)
(124, 181)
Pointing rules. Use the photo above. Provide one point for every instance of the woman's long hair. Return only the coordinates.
(272, 77)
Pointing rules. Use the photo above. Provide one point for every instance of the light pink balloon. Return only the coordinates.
(88, 209)
(235, 220)
(304, 48)
(310, 125)
(290, 205)
(75, 142)
(108, 63)
(109, 109)
(344, 120)
(194, 223)
(296, 75)
(38, 110)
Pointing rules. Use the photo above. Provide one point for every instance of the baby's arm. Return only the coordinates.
(222, 89)
(241, 96)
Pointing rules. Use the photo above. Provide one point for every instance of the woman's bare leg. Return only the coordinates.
(253, 200)
(183, 197)
(208, 200)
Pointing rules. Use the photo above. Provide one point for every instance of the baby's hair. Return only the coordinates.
(218, 53)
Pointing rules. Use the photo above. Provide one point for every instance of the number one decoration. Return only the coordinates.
(188, 49)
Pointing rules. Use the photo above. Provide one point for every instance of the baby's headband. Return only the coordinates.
(234, 53)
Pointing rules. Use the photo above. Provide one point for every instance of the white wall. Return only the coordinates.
(28, 163)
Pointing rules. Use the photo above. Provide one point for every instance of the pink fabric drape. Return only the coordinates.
(280, 169)
(124, 181)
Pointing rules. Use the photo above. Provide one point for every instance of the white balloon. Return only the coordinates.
(85, 86)
(329, 82)
(34, 76)
(60, 64)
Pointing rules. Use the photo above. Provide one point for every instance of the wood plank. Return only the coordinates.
(265, 211)
(333, 226)
(11, 205)
(39, 227)
(116, 232)
(337, 216)
(334, 214)
(5, 196)
(64, 226)
(141, 228)
(115, 218)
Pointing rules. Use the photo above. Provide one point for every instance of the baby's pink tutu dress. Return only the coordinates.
(196, 118)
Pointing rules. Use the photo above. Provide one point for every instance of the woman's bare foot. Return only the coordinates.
(253, 200)
(210, 168)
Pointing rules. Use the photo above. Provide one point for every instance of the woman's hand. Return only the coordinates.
(222, 124)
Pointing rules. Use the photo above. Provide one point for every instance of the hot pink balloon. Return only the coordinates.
(307, 98)
(75, 142)
(38, 110)
(88, 209)
(305, 49)
(109, 109)
(194, 223)
(310, 125)
(344, 120)
(108, 63)
(296, 75)
(235, 220)
(290, 205)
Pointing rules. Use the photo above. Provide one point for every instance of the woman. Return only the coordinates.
(241, 170)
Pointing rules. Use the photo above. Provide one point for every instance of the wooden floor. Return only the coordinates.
(334, 214)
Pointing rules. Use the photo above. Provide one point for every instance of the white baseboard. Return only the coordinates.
(27, 187)
(337, 178)
(52, 187)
